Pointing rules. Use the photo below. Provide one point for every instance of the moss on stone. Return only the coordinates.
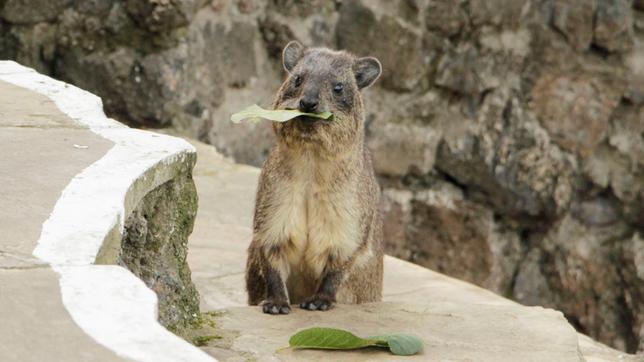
(155, 247)
(206, 319)
(201, 341)
(203, 329)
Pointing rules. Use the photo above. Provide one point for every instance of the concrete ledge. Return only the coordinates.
(450, 332)
(458, 321)
(86, 225)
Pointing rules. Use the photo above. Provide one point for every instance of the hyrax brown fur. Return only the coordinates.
(317, 236)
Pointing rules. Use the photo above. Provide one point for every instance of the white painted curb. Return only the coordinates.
(108, 302)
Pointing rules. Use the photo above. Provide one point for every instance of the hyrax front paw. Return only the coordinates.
(318, 302)
(275, 307)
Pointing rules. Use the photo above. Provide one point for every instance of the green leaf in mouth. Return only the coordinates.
(279, 115)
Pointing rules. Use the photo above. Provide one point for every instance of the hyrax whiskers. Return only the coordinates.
(317, 233)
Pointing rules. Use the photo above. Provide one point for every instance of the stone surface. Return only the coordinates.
(575, 20)
(69, 181)
(160, 16)
(457, 332)
(35, 135)
(26, 108)
(497, 12)
(446, 16)
(594, 248)
(575, 109)
(222, 227)
(415, 299)
(614, 25)
(443, 231)
(397, 45)
(402, 148)
(532, 108)
(504, 157)
(26, 12)
(33, 314)
(467, 72)
(155, 248)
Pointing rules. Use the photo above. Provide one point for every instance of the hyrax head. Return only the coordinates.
(321, 80)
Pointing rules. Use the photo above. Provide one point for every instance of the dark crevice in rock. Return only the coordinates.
(509, 292)
(452, 180)
(627, 325)
(601, 52)
(574, 320)
(629, 301)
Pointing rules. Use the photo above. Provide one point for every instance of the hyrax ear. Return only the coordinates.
(366, 71)
(293, 52)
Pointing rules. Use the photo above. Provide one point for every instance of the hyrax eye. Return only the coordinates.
(297, 80)
(337, 88)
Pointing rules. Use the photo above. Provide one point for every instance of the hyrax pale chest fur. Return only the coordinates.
(317, 233)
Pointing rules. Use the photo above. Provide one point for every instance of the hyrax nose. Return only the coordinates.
(308, 105)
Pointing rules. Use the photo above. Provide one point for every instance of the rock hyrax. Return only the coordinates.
(317, 233)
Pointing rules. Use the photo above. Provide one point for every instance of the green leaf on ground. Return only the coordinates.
(281, 115)
(401, 344)
(331, 338)
(328, 338)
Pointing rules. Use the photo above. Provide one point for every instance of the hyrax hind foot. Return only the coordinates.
(318, 302)
(276, 307)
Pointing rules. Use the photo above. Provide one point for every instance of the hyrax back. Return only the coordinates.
(317, 229)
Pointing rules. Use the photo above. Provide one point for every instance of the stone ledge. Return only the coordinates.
(217, 253)
(450, 331)
(86, 226)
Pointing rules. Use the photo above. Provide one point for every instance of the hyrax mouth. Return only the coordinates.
(307, 119)
(307, 125)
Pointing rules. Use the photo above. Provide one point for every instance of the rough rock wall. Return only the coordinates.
(507, 134)
(155, 248)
